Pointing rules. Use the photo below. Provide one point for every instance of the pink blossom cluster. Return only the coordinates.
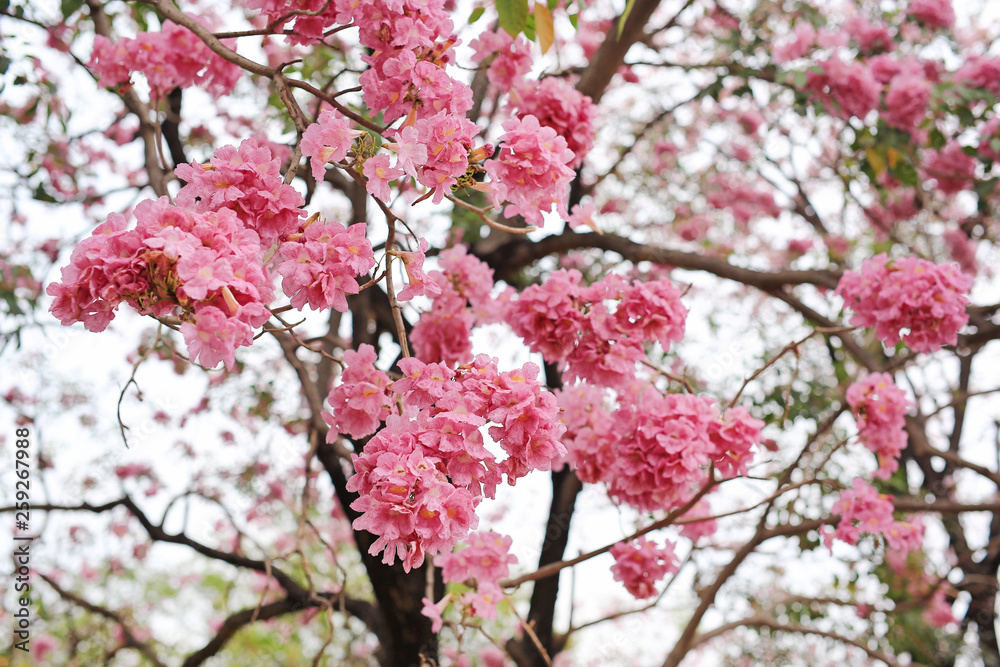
(863, 510)
(906, 99)
(531, 171)
(508, 59)
(319, 265)
(172, 57)
(654, 451)
(204, 267)
(556, 103)
(743, 199)
(328, 139)
(952, 169)
(248, 182)
(310, 17)
(847, 89)
(411, 43)
(420, 478)
(362, 399)
(937, 14)
(870, 37)
(911, 293)
(879, 408)
(570, 324)
(481, 564)
(640, 564)
(435, 150)
(980, 72)
(461, 300)
(666, 444)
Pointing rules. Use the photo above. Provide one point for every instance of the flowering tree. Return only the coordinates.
(712, 284)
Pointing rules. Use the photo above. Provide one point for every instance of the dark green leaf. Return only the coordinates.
(4, 64)
(574, 20)
(41, 195)
(513, 15)
(936, 138)
(69, 7)
(476, 14)
(552, 4)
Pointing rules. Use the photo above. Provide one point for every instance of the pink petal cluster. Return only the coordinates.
(461, 300)
(664, 449)
(847, 89)
(319, 264)
(951, 168)
(481, 564)
(420, 478)
(932, 13)
(172, 57)
(247, 181)
(733, 436)
(640, 564)
(411, 43)
(435, 150)
(531, 171)
(980, 72)
(509, 59)
(743, 199)
(863, 510)
(870, 37)
(204, 268)
(362, 400)
(556, 103)
(326, 140)
(654, 451)
(304, 21)
(571, 325)
(906, 100)
(590, 431)
(911, 293)
(879, 408)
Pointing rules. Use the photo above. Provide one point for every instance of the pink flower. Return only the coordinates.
(379, 175)
(531, 170)
(951, 168)
(509, 59)
(361, 402)
(486, 558)
(212, 337)
(327, 140)
(640, 564)
(863, 510)
(906, 101)
(932, 13)
(557, 104)
(419, 283)
(733, 436)
(911, 293)
(879, 408)
(848, 89)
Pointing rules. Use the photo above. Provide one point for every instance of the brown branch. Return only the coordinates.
(761, 621)
(131, 641)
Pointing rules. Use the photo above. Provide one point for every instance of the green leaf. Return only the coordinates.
(529, 28)
(513, 15)
(624, 17)
(4, 64)
(552, 4)
(41, 195)
(936, 138)
(574, 20)
(69, 7)
(476, 14)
